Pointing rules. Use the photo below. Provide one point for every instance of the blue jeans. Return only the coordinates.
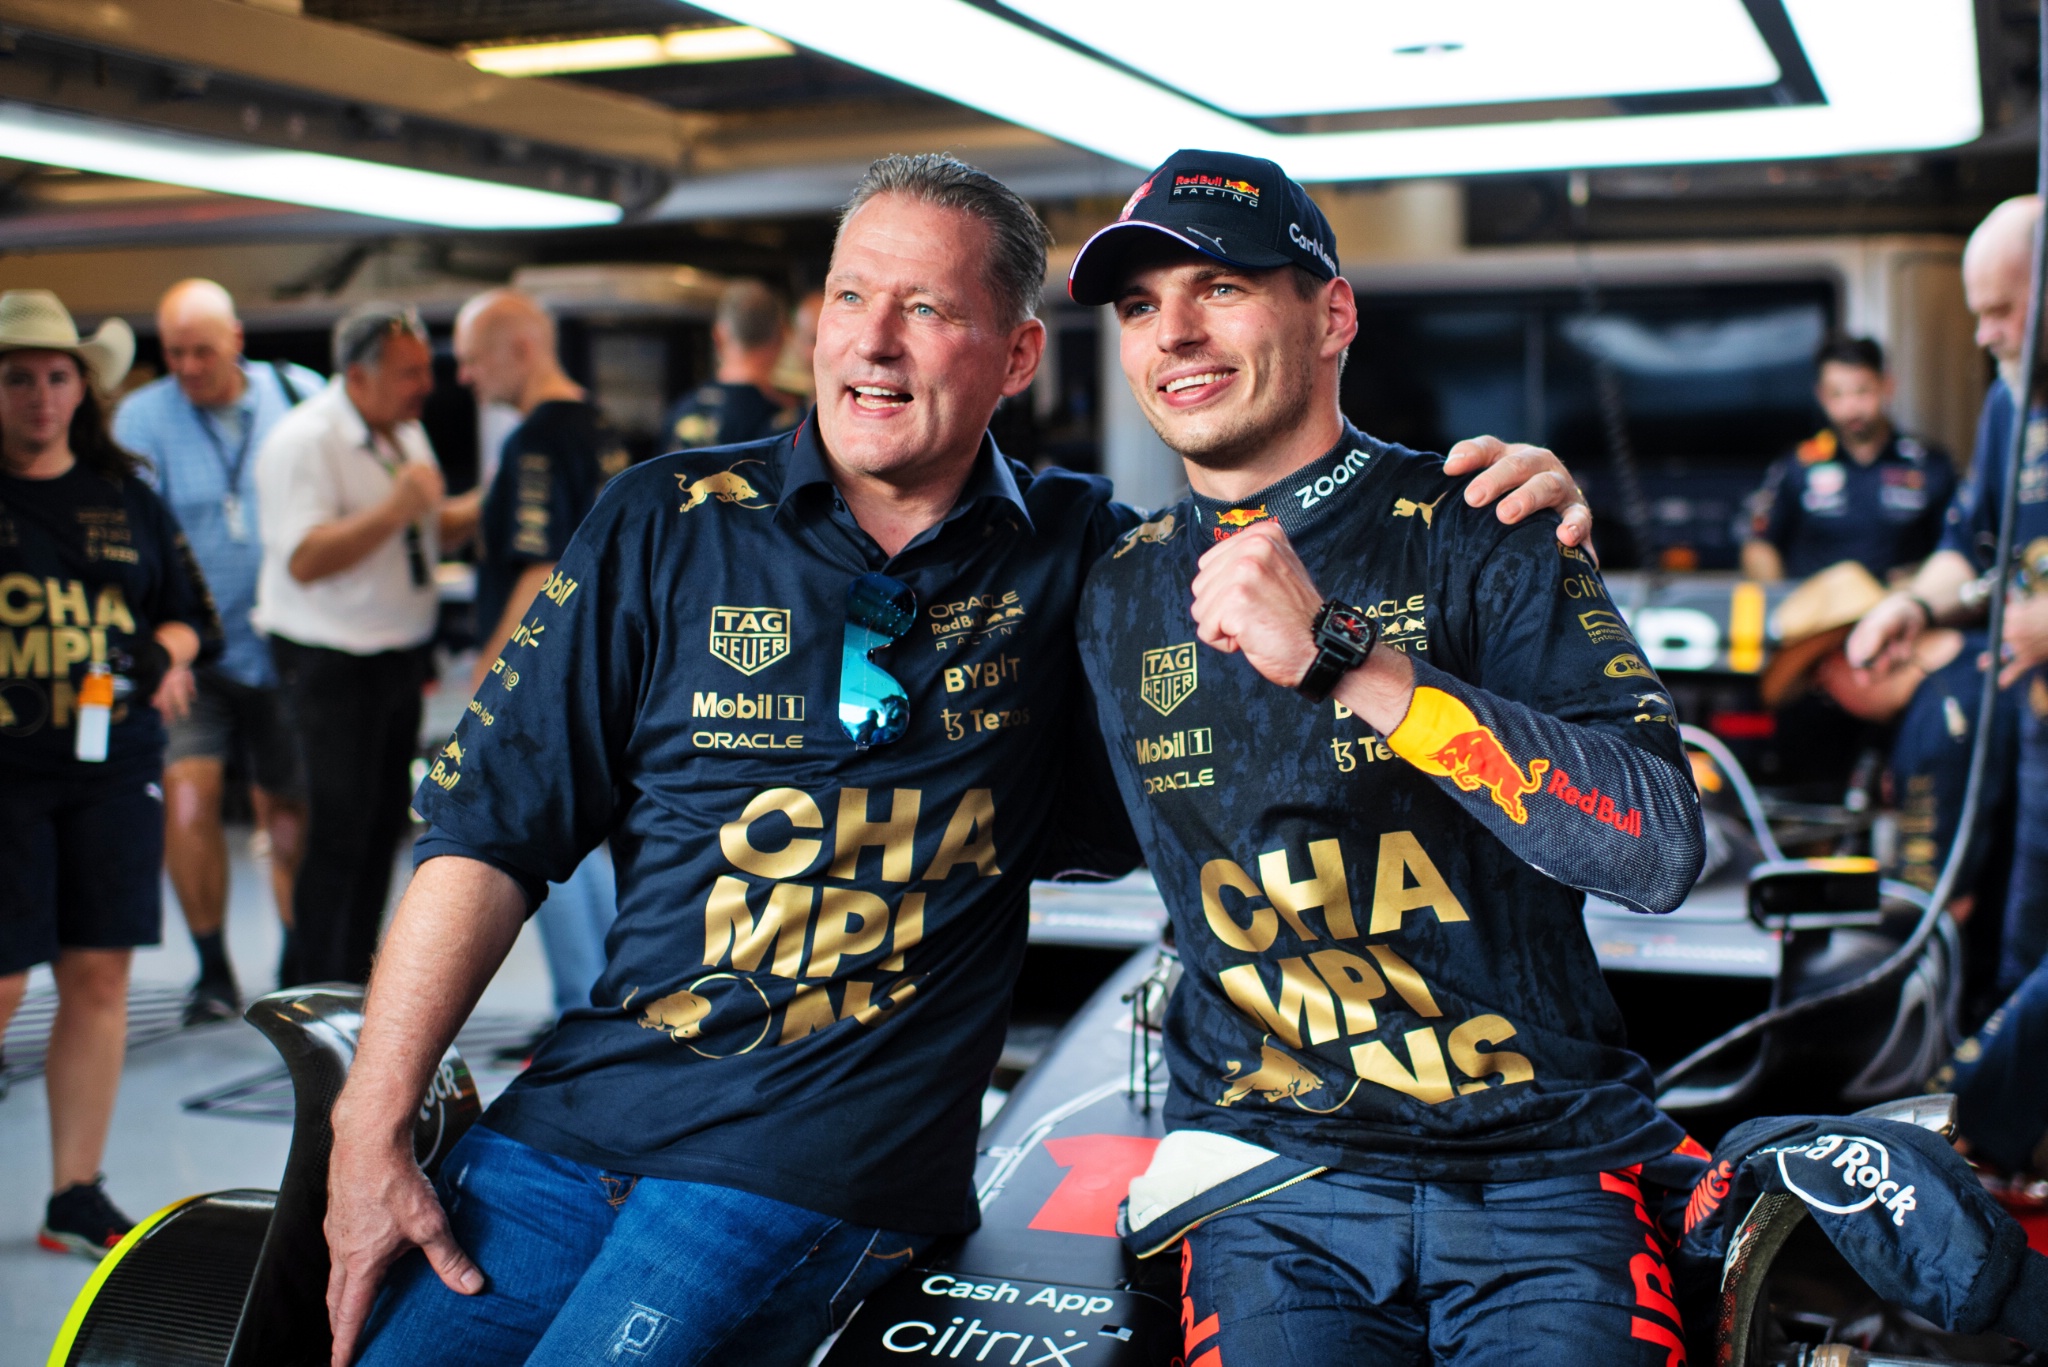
(589, 1266)
(1344, 1268)
(573, 922)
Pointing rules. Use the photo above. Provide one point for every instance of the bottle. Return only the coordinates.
(95, 712)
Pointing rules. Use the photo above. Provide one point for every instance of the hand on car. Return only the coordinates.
(380, 1205)
(1532, 478)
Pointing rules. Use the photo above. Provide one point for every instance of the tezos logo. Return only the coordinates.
(1842, 1174)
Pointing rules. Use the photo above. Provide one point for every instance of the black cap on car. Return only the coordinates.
(1243, 211)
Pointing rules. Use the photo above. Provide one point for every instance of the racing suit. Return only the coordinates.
(1388, 990)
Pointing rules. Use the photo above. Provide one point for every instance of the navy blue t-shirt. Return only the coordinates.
(89, 567)
(553, 466)
(1386, 967)
(724, 414)
(810, 971)
(1971, 528)
(1819, 506)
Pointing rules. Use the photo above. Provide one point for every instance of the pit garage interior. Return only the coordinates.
(1535, 255)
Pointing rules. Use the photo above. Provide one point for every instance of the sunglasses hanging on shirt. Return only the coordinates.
(874, 709)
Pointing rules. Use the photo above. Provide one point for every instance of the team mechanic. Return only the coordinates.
(1402, 1124)
(822, 856)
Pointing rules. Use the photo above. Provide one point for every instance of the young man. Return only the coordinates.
(1859, 489)
(1376, 746)
(824, 843)
(199, 428)
(554, 465)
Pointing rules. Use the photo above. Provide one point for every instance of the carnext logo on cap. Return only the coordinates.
(1216, 187)
(1311, 245)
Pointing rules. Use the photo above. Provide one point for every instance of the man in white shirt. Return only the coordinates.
(353, 518)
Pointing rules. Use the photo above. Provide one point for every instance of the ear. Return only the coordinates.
(1340, 318)
(1027, 349)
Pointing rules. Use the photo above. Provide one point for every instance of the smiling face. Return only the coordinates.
(913, 353)
(1231, 366)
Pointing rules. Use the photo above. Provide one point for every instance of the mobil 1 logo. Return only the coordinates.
(924, 1314)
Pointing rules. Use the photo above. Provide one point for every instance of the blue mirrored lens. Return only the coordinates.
(874, 709)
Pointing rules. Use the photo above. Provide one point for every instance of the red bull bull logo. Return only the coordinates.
(1231, 521)
(1476, 759)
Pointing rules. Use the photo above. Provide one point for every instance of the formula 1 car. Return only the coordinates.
(237, 1278)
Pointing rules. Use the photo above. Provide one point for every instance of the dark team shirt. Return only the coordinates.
(811, 966)
(89, 566)
(721, 414)
(1386, 968)
(552, 467)
(1929, 765)
(1971, 527)
(1818, 506)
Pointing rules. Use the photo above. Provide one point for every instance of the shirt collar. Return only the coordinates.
(805, 468)
(1301, 498)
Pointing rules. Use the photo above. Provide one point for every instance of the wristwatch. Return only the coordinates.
(1344, 636)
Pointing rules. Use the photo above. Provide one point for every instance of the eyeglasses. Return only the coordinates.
(873, 707)
(376, 332)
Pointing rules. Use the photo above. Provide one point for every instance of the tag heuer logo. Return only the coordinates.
(1167, 676)
(749, 639)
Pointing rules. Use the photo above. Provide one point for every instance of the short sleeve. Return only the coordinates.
(1774, 513)
(1970, 528)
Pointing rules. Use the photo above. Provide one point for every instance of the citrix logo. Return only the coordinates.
(1311, 245)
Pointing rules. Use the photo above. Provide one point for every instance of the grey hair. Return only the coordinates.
(750, 314)
(1015, 272)
(364, 331)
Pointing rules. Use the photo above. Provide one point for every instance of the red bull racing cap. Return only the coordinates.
(1242, 211)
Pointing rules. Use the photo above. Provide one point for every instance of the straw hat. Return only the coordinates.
(36, 320)
(1813, 621)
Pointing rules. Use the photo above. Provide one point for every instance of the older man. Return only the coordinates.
(198, 427)
(554, 464)
(742, 402)
(1954, 584)
(817, 690)
(354, 516)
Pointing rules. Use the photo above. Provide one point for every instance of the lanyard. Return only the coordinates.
(415, 551)
(230, 471)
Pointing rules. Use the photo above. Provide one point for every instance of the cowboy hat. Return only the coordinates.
(36, 320)
(1814, 620)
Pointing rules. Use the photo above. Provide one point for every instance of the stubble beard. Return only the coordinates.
(1234, 441)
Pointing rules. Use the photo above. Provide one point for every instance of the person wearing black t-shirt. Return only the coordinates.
(553, 465)
(741, 403)
(1375, 765)
(102, 611)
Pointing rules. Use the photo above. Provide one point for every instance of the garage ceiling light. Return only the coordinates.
(1896, 75)
(619, 52)
(313, 178)
(1408, 56)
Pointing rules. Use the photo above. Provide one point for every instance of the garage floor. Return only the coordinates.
(200, 1110)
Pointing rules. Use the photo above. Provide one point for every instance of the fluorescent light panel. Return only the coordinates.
(620, 52)
(1899, 75)
(312, 178)
(1417, 56)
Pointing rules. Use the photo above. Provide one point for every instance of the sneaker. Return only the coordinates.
(209, 1002)
(80, 1219)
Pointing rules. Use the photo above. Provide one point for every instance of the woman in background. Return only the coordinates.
(102, 613)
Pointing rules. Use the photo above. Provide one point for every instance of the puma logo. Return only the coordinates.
(1409, 508)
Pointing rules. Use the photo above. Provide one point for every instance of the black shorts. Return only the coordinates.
(81, 864)
(232, 720)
